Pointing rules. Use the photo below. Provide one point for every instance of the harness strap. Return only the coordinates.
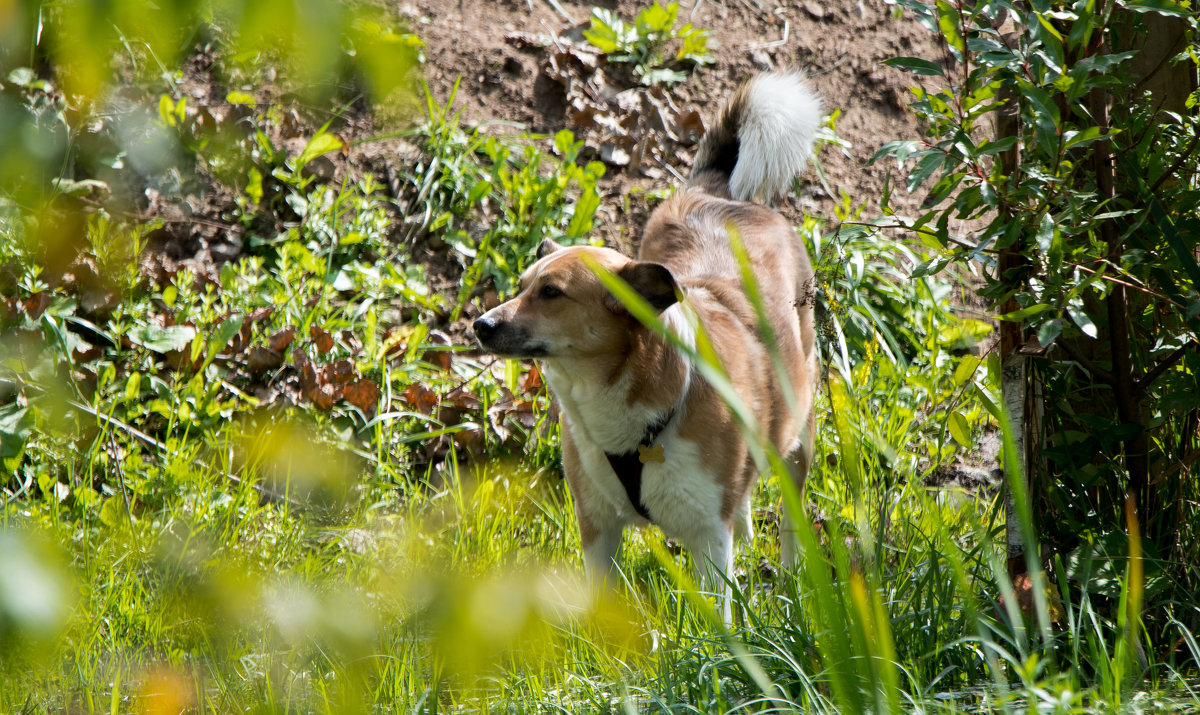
(628, 465)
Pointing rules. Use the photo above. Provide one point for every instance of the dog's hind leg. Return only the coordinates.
(798, 459)
(742, 522)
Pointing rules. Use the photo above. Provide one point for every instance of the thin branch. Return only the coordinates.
(1141, 385)
(152, 442)
(1087, 364)
(1178, 163)
(1135, 286)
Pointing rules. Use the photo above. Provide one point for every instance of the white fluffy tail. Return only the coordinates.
(763, 136)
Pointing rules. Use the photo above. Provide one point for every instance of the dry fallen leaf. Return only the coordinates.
(420, 398)
(321, 338)
(532, 381)
(439, 354)
(339, 373)
(280, 340)
(36, 304)
(363, 394)
(263, 359)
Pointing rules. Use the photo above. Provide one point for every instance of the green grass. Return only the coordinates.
(306, 561)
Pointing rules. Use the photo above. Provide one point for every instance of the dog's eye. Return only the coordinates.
(550, 291)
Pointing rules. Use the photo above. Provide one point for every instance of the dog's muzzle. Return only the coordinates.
(505, 339)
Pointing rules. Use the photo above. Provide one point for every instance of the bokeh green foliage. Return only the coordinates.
(66, 65)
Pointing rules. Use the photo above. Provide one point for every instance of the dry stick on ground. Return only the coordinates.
(152, 442)
(559, 9)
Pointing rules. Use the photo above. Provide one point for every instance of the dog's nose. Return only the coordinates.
(485, 328)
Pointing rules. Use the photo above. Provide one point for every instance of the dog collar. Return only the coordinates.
(628, 465)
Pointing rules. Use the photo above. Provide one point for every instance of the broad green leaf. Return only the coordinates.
(113, 512)
(916, 65)
(224, 333)
(948, 23)
(959, 429)
(1018, 315)
(162, 340)
(322, 143)
(1162, 7)
(657, 18)
(1081, 138)
(1049, 332)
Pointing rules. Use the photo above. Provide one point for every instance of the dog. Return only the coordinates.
(645, 438)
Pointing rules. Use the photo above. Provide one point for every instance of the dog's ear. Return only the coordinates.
(546, 247)
(652, 281)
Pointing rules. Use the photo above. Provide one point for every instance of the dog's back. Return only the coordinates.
(762, 138)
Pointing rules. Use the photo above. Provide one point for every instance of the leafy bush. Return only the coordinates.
(1088, 250)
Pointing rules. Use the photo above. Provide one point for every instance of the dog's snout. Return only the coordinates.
(485, 328)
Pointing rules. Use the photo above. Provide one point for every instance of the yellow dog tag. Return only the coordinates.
(651, 454)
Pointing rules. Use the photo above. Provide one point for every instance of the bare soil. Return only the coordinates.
(840, 44)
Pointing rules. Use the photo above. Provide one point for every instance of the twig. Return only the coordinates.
(1178, 163)
(559, 9)
(1135, 286)
(553, 35)
(678, 177)
(1148, 379)
(152, 442)
(787, 27)
(1087, 364)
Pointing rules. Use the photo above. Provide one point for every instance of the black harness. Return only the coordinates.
(628, 466)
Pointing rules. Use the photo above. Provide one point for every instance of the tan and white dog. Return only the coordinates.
(644, 437)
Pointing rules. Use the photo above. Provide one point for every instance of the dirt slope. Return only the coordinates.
(840, 44)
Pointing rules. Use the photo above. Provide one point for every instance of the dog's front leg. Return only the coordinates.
(712, 552)
(601, 547)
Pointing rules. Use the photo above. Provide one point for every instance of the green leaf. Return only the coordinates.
(916, 65)
(254, 185)
(113, 513)
(166, 110)
(1162, 7)
(238, 97)
(966, 369)
(1081, 138)
(223, 334)
(948, 23)
(15, 426)
(959, 429)
(1049, 332)
(1019, 315)
(162, 340)
(322, 143)
(657, 18)
(931, 266)
(606, 30)
(585, 209)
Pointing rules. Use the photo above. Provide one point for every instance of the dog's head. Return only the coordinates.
(564, 311)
